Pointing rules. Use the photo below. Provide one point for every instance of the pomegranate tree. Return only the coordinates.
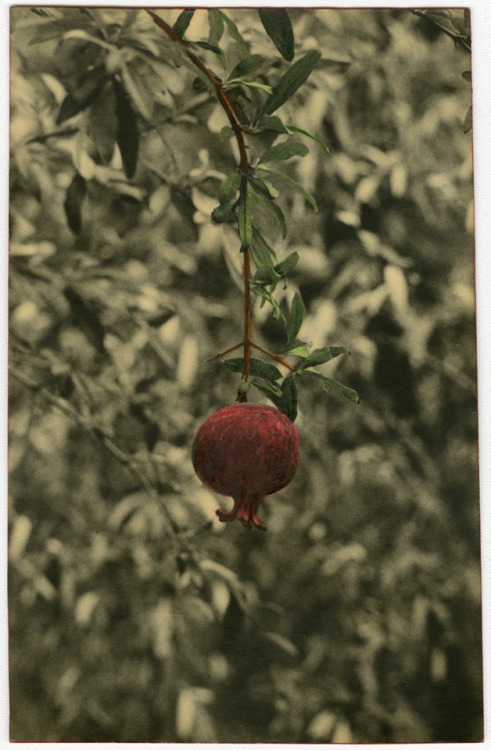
(246, 451)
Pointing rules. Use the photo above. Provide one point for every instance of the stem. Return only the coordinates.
(247, 321)
(227, 351)
(239, 130)
(456, 38)
(277, 357)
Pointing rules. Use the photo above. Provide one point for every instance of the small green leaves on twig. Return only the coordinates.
(247, 186)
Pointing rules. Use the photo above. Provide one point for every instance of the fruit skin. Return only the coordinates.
(246, 451)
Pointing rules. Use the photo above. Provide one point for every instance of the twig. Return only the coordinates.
(227, 351)
(277, 357)
(239, 131)
(457, 38)
(119, 455)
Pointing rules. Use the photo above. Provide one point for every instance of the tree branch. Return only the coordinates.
(108, 443)
(457, 38)
(239, 130)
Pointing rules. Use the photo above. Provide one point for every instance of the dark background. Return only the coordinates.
(356, 617)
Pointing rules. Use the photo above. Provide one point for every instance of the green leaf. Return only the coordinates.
(296, 318)
(245, 66)
(215, 22)
(294, 185)
(320, 356)
(208, 47)
(274, 192)
(286, 266)
(282, 151)
(264, 199)
(251, 84)
(262, 254)
(297, 349)
(226, 133)
(330, 383)
(288, 402)
(278, 27)
(257, 368)
(259, 184)
(270, 389)
(267, 297)
(285, 399)
(223, 213)
(229, 187)
(266, 275)
(294, 77)
(245, 222)
(183, 22)
(235, 34)
(271, 123)
(301, 131)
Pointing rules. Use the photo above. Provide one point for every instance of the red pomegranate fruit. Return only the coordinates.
(246, 451)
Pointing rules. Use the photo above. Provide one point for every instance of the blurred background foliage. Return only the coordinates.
(134, 614)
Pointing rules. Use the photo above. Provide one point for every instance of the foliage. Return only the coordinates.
(134, 616)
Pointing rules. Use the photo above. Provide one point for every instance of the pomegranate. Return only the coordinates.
(246, 451)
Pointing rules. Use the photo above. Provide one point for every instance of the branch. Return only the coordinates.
(118, 454)
(457, 38)
(239, 130)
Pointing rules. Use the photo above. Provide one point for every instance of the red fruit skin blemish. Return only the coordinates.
(246, 451)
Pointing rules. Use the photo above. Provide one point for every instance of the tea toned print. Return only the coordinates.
(242, 289)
